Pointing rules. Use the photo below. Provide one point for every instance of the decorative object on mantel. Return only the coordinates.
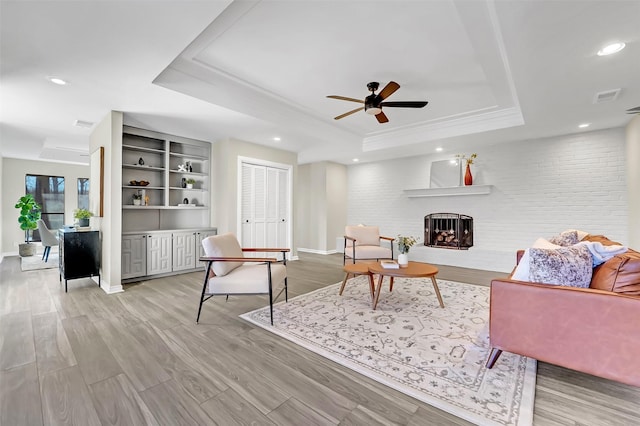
(182, 168)
(141, 161)
(468, 178)
(404, 244)
(190, 183)
(137, 199)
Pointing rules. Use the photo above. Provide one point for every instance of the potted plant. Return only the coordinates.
(28, 220)
(137, 199)
(404, 244)
(83, 216)
(190, 183)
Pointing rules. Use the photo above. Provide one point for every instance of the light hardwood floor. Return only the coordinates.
(138, 357)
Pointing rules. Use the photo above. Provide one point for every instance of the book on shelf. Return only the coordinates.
(389, 264)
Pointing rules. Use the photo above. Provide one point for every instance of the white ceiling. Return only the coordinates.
(492, 71)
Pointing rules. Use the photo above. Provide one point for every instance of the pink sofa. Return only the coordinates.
(595, 330)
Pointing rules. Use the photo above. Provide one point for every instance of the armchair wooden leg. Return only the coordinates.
(493, 357)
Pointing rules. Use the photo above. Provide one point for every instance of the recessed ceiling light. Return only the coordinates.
(355, 160)
(276, 138)
(611, 49)
(439, 149)
(584, 125)
(57, 81)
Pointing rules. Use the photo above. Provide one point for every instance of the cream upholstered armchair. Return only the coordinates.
(364, 242)
(48, 239)
(229, 272)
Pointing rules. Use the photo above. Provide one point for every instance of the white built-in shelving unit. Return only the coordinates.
(163, 234)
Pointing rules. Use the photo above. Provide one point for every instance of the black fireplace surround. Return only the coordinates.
(448, 230)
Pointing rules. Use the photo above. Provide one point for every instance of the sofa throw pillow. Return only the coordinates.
(581, 234)
(565, 239)
(521, 272)
(567, 266)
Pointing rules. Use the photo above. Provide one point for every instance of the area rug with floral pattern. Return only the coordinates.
(409, 343)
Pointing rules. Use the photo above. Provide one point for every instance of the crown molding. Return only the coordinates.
(499, 119)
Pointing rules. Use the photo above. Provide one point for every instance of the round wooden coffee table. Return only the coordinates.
(358, 269)
(413, 270)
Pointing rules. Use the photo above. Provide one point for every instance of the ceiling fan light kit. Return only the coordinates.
(373, 103)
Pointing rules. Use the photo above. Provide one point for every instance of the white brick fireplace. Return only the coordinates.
(538, 189)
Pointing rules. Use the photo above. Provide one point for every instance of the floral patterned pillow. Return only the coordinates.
(567, 266)
(565, 239)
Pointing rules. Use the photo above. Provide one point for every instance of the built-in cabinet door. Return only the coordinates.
(184, 250)
(201, 235)
(134, 256)
(159, 253)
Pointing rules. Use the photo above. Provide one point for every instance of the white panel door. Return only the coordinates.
(283, 209)
(246, 205)
(265, 206)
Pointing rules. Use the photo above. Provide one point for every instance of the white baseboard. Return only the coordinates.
(109, 289)
(306, 250)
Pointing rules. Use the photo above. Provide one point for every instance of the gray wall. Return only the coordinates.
(224, 197)
(322, 201)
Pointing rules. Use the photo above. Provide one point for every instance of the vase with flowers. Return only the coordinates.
(404, 244)
(468, 177)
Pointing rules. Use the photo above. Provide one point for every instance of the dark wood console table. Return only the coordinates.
(78, 254)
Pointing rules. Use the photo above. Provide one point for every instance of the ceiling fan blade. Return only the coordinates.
(348, 113)
(405, 104)
(388, 90)
(633, 110)
(382, 118)
(344, 98)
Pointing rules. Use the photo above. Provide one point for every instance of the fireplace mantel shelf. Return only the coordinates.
(449, 192)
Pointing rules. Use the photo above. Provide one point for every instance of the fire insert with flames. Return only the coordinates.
(448, 230)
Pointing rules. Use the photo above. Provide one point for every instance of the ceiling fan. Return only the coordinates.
(635, 110)
(373, 103)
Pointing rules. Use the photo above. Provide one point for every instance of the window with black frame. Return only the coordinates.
(48, 192)
(83, 193)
